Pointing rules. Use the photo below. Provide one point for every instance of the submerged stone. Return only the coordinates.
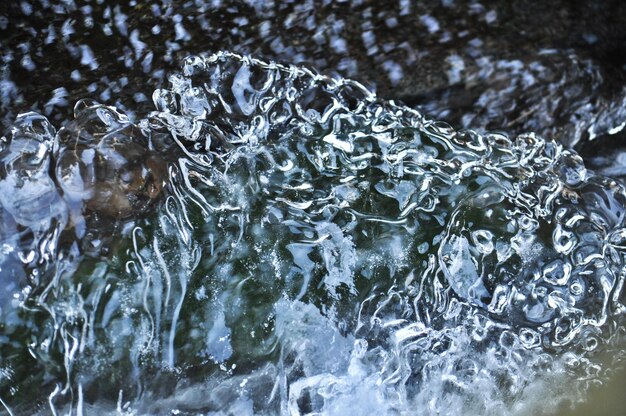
(105, 161)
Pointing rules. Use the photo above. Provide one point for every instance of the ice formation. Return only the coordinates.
(292, 244)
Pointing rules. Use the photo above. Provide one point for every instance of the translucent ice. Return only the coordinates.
(289, 243)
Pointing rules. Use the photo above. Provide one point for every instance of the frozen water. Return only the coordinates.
(271, 240)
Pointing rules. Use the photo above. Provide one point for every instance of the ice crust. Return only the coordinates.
(283, 242)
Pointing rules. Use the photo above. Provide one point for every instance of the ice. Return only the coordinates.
(460, 271)
(218, 346)
(269, 240)
(31, 209)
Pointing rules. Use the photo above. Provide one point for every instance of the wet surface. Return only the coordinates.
(248, 237)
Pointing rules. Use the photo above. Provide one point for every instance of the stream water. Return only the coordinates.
(241, 236)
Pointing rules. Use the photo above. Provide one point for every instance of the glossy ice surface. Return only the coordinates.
(278, 241)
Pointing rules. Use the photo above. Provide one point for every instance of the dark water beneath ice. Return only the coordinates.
(250, 237)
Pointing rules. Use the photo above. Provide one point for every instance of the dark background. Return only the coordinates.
(556, 68)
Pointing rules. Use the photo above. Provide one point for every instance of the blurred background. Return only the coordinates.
(556, 68)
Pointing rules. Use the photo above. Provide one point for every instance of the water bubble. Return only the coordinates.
(564, 240)
(483, 240)
(529, 338)
(572, 169)
(557, 272)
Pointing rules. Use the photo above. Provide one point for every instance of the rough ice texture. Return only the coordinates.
(302, 248)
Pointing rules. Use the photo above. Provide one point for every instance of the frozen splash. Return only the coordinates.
(277, 241)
